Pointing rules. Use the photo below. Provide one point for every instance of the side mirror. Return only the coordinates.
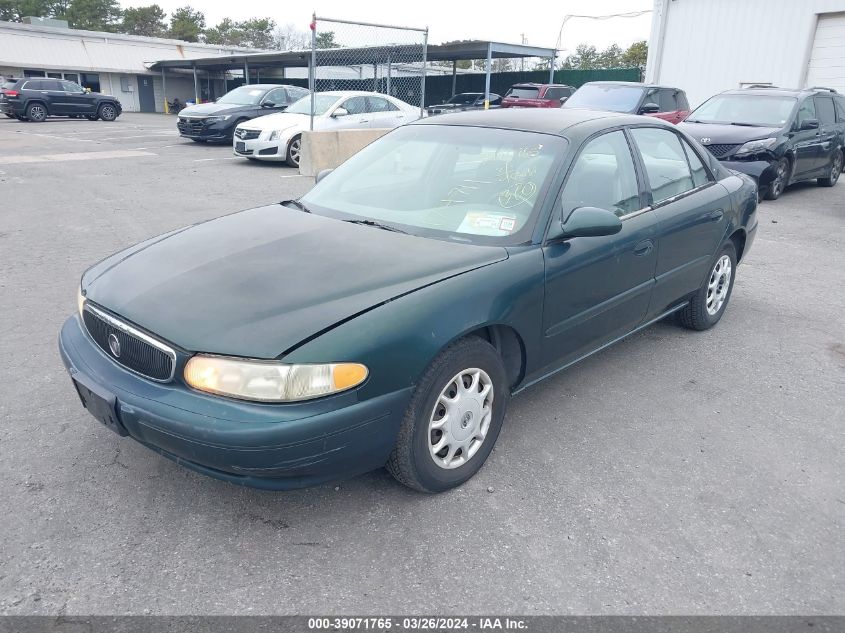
(563, 100)
(650, 108)
(340, 112)
(322, 174)
(268, 104)
(591, 222)
(809, 124)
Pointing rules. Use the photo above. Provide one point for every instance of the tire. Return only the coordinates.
(781, 180)
(836, 165)
(294, 150)
(11, 116)
(107, 112)
(36, 112)
(701, 313)
(413, 462)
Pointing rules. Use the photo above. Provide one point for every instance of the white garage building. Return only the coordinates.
(707, 46)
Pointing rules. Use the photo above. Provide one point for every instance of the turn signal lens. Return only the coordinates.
(80, 300)
(270, 381)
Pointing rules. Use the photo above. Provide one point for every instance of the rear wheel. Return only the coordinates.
(36, 112)
(453, 419)
(836, 164)
(709, 303)
(294, 151)
(780, 181)
(107, 112)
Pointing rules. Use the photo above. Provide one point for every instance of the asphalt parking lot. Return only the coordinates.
(676, 473)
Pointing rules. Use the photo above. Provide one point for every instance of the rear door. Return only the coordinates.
(51, 92)
(599, 288)
(691, 208)
(383, 114)
(828, 132)
(806, 143)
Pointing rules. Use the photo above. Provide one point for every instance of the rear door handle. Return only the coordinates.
(643, 248)
(715, 216)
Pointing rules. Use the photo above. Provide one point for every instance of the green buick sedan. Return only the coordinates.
(387, 317)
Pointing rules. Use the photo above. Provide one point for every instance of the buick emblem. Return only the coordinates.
(705, 140)
(114, 345)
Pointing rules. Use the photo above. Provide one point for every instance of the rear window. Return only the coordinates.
(523, 92)
(8, 85)
(667, 101)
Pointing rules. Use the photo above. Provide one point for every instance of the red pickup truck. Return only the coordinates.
(533, 95)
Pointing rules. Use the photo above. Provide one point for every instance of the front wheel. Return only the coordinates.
(780, 181)
(453, 419)
(294, 151)
(835, 171)
(107, 112)
(708, 305)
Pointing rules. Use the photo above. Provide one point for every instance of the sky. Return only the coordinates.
(500, 20)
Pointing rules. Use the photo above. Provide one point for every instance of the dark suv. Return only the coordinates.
(533, 95)
(661, 102)
(778, 136)
(216, 122)
(36, 98)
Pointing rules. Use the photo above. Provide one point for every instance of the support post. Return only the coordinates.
(488, 65)
(424, 63)
(454, 76)
(375, 77)
(388, 74)
(196, 86)
(312, 76)
(246, 72)
(164, 91)
(552, 67)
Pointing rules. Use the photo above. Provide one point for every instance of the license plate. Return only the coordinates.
(240, 147)
(100, 404)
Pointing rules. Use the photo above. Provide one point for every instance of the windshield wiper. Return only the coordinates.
(297, 204)
(378, 225)
(745, 124)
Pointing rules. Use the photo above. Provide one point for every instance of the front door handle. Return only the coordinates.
(643, 248)
(715, 216)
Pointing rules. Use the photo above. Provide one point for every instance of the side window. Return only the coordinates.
(665, 162)
(555, 93)
(277, 96)
(377, 104)
(52, 84)
(807, 111)
(683, 104)
(825, 110)
(667, 101)
(840, 109)
(699, 173)
(69, 86)
(355, 105)
(652, 96)
(603, 176)
(33, 84)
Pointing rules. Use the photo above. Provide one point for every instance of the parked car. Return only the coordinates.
(531, 95)
(36, 98)
(777, 136)
(216, 122)
(388, 315)
(278, 137)
(464, 101)
(662, 102)
(7, 83)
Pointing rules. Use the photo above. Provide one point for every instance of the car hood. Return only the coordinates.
(259, 282)
(720, 133)
(279, 121)
(207, 109)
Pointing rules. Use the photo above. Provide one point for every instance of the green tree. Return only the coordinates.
(147, 21)
(636, 55)
(94, 15)
(225, 33)
(610, 57)
(326, 40)
(186, 24)
(16, 10)
(257, 33)
(585, 57)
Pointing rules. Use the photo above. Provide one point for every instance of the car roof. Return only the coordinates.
(265, 86)
(534, 84)
(636, 84)
(352, 93)
(780, 92)
(557, 121)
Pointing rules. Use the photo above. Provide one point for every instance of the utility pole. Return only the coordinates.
(522, 59)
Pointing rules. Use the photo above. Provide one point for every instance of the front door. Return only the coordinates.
(78, 101)
(357, 115)
(806, 142)
(599, 288)
(828, 133)
(146, 94)
(690, 207)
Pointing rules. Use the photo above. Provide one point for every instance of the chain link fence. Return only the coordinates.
(371, 57)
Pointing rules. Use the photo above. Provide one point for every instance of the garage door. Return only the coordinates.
(827, 61)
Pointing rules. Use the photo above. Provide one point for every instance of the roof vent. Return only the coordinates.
(58, 24)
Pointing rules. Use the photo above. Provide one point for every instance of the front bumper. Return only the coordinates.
(220, 131)
(271, 446)
(761, 170)
(262, 150)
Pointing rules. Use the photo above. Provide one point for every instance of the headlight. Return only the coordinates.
(270, 381)
(80, 300)
(277, 134)
(755, 147)
(219, 117)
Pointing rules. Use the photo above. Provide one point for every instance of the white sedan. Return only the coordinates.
(278, 137)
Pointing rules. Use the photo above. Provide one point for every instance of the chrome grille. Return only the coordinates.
(247, 135)
(722, 149)
(192, 127)
(133, 349)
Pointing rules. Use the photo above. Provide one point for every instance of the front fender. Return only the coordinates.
(397, 340)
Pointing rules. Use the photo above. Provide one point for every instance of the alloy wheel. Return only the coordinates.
(107, 113)
(295, 149)
(461, 418)
(718, 285)
(37, 113)
(836, 168)
(779, 183)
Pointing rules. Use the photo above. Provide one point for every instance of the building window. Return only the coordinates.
(33, 73)
(91, 81)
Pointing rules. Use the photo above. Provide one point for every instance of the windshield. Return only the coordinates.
(245, 95)
(467, 97)
(469, 184)
(606, 97)
(523, 93)
(757, 110)
(321, 104)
